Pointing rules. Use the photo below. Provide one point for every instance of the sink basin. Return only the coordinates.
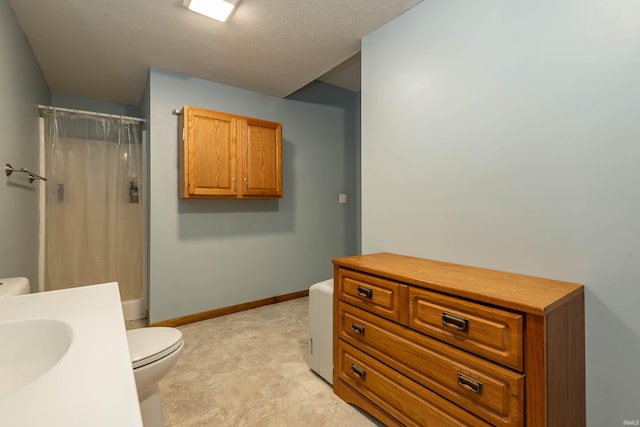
(30, 347)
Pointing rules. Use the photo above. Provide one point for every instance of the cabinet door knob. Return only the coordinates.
(469, 383)
(358, 371)
(246, 185)
(454, 321)
(364, 292)
(234, 184)
(355, 327)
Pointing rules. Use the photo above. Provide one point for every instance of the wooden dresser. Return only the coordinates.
(427, 343)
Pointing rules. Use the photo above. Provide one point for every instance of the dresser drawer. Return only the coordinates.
(402, 398)
(491, 391)
(381, 296)
(490, 332)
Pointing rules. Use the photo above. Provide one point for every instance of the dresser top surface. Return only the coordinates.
(514, 291)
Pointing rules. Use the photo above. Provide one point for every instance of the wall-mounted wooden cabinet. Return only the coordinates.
(222, 155)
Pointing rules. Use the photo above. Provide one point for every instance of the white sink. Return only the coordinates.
(64, 360)
(30, 347)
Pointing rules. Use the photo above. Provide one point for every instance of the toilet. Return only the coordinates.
(13, 286)
(153, 352)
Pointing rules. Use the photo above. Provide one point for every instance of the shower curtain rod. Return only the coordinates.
(90, 113)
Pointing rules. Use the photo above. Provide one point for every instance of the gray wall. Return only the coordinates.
(145, 108)
(91, 104)
(358, 169)
(506, 135)
(207, 254)
(22, 88)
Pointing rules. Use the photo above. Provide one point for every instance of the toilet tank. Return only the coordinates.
(12, 286)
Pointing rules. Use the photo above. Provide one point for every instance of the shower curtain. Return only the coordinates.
(93, 210)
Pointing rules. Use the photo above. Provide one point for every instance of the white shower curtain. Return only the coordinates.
(93, 213)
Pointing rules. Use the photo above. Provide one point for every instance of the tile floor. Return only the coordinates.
(250, 369)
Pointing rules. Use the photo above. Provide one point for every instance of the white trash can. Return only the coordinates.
(321, 329)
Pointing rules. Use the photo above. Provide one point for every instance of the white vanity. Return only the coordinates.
(65, 360)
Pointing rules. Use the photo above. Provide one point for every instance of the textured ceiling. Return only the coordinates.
(103, 48)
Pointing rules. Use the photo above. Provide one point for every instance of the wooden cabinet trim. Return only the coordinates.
(435, 365)
(565, 357)
(386, 298)
(262, 167)
(403, 399)
(491, 332)
(508, 290)
(350, 395)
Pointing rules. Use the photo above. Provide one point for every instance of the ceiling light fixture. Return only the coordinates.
(216, 9)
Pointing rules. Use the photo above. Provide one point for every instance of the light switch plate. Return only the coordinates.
(342, 198)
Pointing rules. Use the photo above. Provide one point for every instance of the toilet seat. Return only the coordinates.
(148, 345)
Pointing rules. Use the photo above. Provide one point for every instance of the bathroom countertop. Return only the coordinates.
(93, 383)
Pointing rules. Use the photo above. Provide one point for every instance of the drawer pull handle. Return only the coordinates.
(453, 321)
(358, 371)
(469, 383)
(365, 292)
(357, 328)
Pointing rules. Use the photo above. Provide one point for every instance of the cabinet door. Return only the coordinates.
(261, 143)
(210, 154)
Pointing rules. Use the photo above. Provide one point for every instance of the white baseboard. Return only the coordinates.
(134, 310)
